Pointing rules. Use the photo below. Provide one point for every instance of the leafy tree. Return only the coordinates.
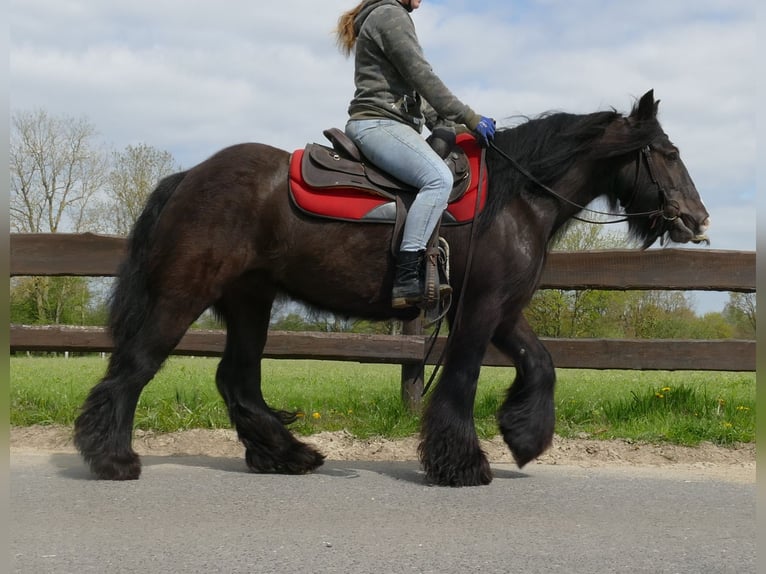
(608, 314)
(23, 308)
(295, 322)
(711, 326)
(378, 327)
(548, 311)
(576, 313)
(52, 301)
(656, 315)
(740, 312)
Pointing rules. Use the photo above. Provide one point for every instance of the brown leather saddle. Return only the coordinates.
(343, 165)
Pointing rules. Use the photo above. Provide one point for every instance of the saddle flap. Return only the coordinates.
(323, 158)
(325, 167)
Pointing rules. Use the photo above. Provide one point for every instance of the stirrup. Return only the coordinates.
(444, 287)
(438, 292)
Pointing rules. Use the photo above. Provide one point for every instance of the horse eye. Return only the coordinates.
(672, 156)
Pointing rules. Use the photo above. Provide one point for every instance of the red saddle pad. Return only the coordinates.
(352, 204)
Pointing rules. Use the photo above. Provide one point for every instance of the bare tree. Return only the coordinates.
(55, 172)
(135, 172)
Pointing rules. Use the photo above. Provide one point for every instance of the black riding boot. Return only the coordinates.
(408, 283)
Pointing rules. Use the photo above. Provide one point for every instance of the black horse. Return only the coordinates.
(225, 234)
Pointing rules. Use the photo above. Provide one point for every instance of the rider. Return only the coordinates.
(397, 92)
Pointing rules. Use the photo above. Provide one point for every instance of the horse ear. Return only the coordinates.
(647, 107)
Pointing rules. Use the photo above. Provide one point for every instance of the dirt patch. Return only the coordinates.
(707, 460)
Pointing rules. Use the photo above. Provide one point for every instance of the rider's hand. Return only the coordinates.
(485, 131)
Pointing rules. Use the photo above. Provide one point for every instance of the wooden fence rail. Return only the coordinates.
(641, 354)
(58, 254)
(661, 269)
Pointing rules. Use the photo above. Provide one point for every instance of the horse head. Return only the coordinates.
(664, 199)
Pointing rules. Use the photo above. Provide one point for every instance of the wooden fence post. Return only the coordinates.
(413, 373)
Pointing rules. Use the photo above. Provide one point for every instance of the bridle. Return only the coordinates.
(668, 208)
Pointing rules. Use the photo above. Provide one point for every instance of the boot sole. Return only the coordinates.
(404, 302)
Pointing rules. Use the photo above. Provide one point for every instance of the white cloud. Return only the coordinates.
(194, 77)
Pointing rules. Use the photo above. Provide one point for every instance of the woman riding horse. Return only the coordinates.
(392, 77)
(225, 234)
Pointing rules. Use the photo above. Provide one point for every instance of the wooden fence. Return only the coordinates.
(662, 269)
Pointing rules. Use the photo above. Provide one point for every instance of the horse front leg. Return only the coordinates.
(449, 450)
(527, 418)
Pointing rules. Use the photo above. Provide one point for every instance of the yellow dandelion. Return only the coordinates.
(665, 389)
(659, 395)
(300, 415)
(743, 408)
(727, 425)
(316, 416)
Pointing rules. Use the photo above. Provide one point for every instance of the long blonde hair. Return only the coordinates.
(344, 32)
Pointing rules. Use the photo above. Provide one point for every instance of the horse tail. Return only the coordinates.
(130, 300)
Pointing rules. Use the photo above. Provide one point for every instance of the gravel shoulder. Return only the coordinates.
(734, 464)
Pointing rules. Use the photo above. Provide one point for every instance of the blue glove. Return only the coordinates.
(485, 131)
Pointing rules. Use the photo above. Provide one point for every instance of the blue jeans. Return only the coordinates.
(402, 152)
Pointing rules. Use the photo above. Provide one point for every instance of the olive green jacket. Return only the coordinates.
(393, 78)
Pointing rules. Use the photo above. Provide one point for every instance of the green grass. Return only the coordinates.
(678, 407)
(682, 408)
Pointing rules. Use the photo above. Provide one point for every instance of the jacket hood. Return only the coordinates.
(368, 8)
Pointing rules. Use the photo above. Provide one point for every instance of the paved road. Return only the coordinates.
(201, 514)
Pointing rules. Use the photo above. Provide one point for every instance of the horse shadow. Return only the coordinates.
(71, 466)
(407, 471)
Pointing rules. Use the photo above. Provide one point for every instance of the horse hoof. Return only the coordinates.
(300, 459)
(477, 476)
(116, 467)
(527, 443)
(472, 470)
(525, 452)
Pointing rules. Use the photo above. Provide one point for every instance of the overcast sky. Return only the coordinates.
(193, 77)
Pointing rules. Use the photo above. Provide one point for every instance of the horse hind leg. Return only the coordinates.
(104, 428)
(269, 445)
(527, 417)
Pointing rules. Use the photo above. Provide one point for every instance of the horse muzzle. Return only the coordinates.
(686, 229)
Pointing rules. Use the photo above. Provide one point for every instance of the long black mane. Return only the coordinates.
(550, 144)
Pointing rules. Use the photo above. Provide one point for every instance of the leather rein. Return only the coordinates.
(668, 210)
